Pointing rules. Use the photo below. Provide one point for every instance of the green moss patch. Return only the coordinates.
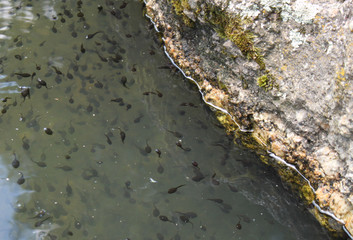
(231, 27)
(179, 6)
(266, 81)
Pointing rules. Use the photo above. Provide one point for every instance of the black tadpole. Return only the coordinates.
(90, 36)
(158, 152)
(48, 131)
(82, 49)
(164, 218)
(25, 93)
(123, 81)
(40, 163)
(122, 135)
(147, 148)
(15, 163)
(108, 139)
(40, 222)
(174, 189)
(42, 83)
(238, 225)
(21, 180)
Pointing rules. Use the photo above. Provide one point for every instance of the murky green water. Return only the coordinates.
(85, 180)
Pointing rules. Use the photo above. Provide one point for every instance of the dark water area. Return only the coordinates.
(102, 139)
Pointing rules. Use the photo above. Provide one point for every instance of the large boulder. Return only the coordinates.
(283, 70)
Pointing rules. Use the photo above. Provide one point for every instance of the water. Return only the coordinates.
(85, 181)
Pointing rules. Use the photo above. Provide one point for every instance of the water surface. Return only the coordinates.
(114, 129)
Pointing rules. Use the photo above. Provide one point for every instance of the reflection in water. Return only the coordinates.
(112, 144)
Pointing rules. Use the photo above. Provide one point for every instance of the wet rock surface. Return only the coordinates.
(282, 69)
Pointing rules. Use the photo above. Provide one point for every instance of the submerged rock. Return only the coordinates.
(282, 70)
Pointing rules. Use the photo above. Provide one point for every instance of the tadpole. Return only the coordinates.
(122, 135)
(147, 148)
(15, 163)
(21, 180)
(174, 189)
(158, 152)
(160, 168)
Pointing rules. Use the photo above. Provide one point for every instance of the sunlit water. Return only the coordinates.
(85, 180)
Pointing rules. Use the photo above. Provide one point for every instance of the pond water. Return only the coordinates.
(101, 138)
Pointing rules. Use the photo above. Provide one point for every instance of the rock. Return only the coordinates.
(282, 68)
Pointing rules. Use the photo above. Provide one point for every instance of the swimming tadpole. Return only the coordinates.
(41, 83)
(4, 109)
(147, 148)
(103, 59)
(57, 71)
(216, 200)
(188, 214)
(178, 143)
(100, 8)
(65, 168)
(108, 139)
(165, 219)
(155, 211)
(53, 29)
(160, 168)
(25, 143)
(123, 5)
(122, 135)
(123, 81)
(175, 133)
(48, 131)
(89, 173)
(232, 188)
(158, 152)
(25, 75)
(21, 180)
(77, 223)
(186, 219)
(174, 189)
(15, 163)
(90, 36)
(82, 49)
(5, 99)
(40, 222)
(159, 94)
(195, 164)
(198, 175)
(138, 119)
(117, 100)
(80, 14)
(238, 225)
(41, 164)
(25, 93)
(68, 189)
(62, 19)
(98, 84)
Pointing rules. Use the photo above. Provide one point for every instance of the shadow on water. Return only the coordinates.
(112, 142)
